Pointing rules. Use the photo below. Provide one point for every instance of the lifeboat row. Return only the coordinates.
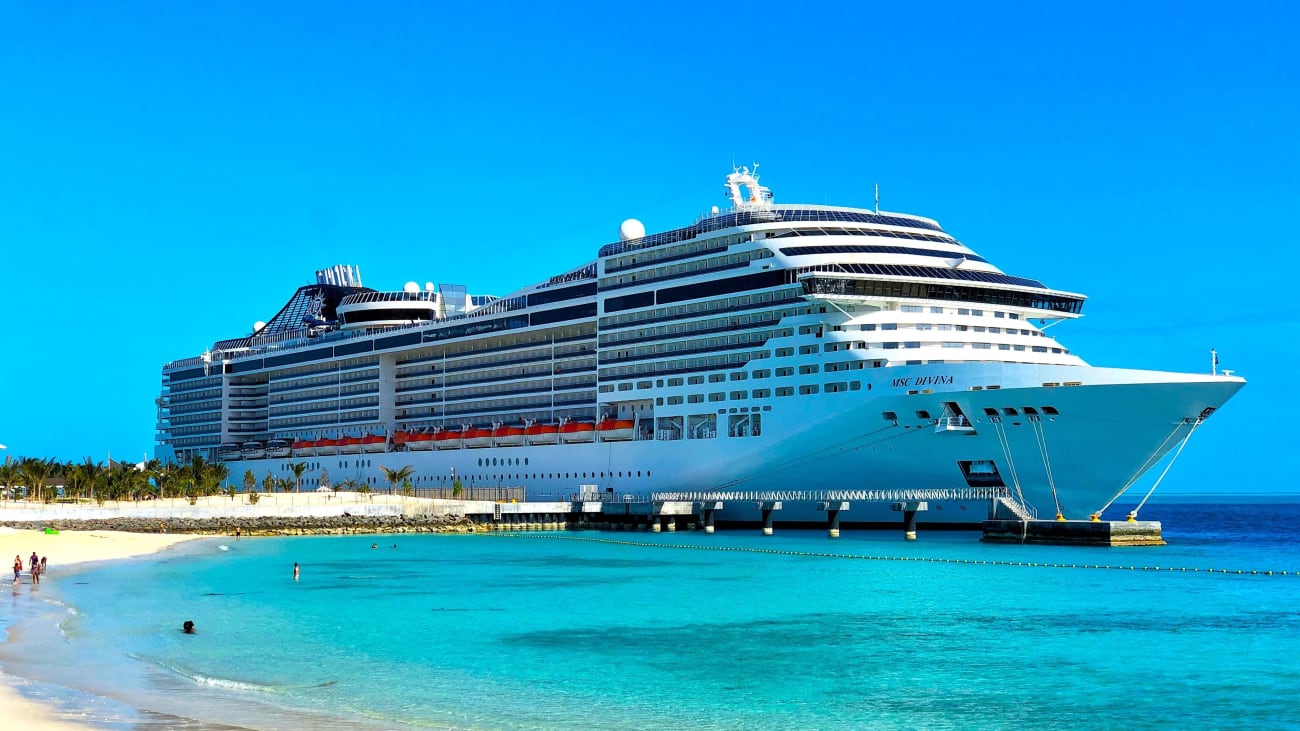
(570, 432)
(342, 445)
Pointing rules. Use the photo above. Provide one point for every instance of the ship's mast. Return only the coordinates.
(753, 195)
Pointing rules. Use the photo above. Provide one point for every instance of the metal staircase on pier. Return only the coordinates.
(1022, 510)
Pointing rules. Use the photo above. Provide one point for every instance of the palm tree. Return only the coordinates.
(76, 479)
(250, 481)
(396, 476)
(196, 473)
(154, 470)
(218, 473)
(170, 479)
(9, 474)
(298, 468)
(34, 471)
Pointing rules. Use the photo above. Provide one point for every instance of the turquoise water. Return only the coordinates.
(562, 631)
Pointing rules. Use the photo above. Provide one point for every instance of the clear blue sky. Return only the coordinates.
(169, 173)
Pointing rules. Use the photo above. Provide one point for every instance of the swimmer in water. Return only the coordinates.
(188, 627)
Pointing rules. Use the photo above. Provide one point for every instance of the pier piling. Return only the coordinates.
(833, 516)
(707, 509)
(909, 510)
(768, 508)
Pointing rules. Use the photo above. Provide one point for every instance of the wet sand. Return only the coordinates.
(63, 550)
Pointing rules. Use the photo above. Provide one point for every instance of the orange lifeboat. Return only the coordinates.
(420, 440)
(615, 430)
(349, 445)
(508, 436)
(304, 448)
(373, 443)
(577, 431)
(542, 433)
(448, 439)
(326, 446)
(400, 438)
(475, 437)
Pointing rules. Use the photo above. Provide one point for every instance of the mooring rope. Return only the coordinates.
(1037, 425)
(1146, 465)
(1133, 514)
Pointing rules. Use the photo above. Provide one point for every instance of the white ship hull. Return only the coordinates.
(1106, 432)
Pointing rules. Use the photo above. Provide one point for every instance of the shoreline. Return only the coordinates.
(67, 550)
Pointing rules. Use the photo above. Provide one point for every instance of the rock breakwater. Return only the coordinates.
(266, 525)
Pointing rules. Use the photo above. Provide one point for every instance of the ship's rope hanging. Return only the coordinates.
(1146, 465)
(1006, 452)
(1037, 425)
(1133, 515)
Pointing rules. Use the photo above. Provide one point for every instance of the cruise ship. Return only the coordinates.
(764, 347)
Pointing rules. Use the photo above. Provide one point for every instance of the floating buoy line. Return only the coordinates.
(916, 559)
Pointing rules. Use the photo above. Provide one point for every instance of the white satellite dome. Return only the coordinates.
(631, 229)
(257, 326)
(411, 287)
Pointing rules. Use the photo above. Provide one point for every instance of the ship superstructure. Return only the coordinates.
(765, 346)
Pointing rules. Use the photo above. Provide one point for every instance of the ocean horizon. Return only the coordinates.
(610, 630)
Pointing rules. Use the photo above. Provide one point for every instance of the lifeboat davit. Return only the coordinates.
(508, 436)
(478, 437)
(577, 431)
(615, 430)
(373, 443)
(448, 439)
(303, 448)
(542, 433)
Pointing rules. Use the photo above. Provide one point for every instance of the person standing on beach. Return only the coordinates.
(18, 568)
(35, 560)
(36, 574)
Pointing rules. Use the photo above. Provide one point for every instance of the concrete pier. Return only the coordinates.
(833, 516)
(1074, 532)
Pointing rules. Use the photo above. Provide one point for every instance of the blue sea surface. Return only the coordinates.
(610, 630)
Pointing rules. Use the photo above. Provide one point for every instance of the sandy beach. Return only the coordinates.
(64, 549)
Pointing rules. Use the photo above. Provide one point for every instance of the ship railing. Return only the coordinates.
(866, 495)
